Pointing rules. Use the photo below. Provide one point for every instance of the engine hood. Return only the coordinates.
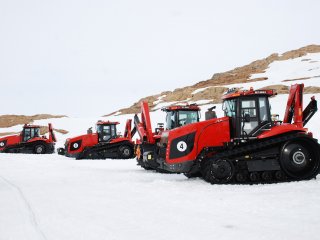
(9, 140)
(83, 137)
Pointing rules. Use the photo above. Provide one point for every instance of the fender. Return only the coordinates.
(281, 129)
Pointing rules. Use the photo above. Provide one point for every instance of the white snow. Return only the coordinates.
(163, 104)
(199, 90)
(290, 69)
(159, 99)
(293, 69)
(53, 197)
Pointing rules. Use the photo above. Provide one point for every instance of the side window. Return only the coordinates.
(170, 120)
(106, 130)
(113, 130)
(32, 132)
(36, 132)
(248, 107)
(105, 133)
(27, 134)
(264, 114)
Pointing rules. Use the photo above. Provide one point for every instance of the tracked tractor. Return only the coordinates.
(246, 145)
(104, 143)
(176, 116)
(29, 141)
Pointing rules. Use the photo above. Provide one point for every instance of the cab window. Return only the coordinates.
(170, 120)
(29, 133)
(229, 108)
(113, 131)
(187, 117)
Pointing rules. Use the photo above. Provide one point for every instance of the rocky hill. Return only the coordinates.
(7, 121)
(211, 90)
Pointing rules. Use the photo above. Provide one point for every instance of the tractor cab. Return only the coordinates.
(249, 112)
(29, 132)
(106, 130)
(178, 116)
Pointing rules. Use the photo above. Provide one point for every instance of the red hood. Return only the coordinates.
(9, 140)
(92, 139)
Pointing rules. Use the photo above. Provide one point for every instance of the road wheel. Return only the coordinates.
(217, 171)
(254, 176)
(280, 176)
(300, 159)
(125, 152)
(39, 149)
(266, 176)
(241, 177)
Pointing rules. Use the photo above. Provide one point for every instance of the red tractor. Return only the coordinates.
(177, 116)
(29, 141)
(105, 143)
(246, 145)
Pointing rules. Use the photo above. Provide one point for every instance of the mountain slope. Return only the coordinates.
(211, 90)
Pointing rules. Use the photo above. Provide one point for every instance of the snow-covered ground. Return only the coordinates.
(55, 198)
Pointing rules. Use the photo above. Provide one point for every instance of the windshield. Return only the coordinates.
(180, 118)
(107, 129)
(187, 117)
(31, 133)
(229, 108)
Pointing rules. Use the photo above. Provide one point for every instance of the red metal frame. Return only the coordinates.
(294, 105)
(144, 128)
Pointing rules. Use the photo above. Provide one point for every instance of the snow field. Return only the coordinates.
(52, 197)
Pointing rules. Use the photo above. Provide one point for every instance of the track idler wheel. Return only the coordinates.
(217, 171)
(300, 159)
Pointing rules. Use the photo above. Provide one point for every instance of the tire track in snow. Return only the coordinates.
(32, 216)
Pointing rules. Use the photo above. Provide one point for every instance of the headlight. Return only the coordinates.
(3, 143)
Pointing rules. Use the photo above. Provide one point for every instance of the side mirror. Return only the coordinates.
(247, 117)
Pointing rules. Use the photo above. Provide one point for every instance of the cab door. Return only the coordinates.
(254, 115)
(104, 133)
(249, 118)
(29, 133)
(26, 134)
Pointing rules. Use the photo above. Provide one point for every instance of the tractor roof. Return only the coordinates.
(30, 126)
(100, 122)
(234, 93)
(191, 107)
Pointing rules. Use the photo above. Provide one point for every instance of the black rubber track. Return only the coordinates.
(205, 163)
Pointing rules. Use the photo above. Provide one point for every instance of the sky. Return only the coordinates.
(92, 57)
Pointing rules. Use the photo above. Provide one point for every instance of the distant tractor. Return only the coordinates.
(29, 141)
(246, 145)
(104, 143)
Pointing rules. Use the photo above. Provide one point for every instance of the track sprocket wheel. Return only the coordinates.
(217, 171)
(300, 159)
